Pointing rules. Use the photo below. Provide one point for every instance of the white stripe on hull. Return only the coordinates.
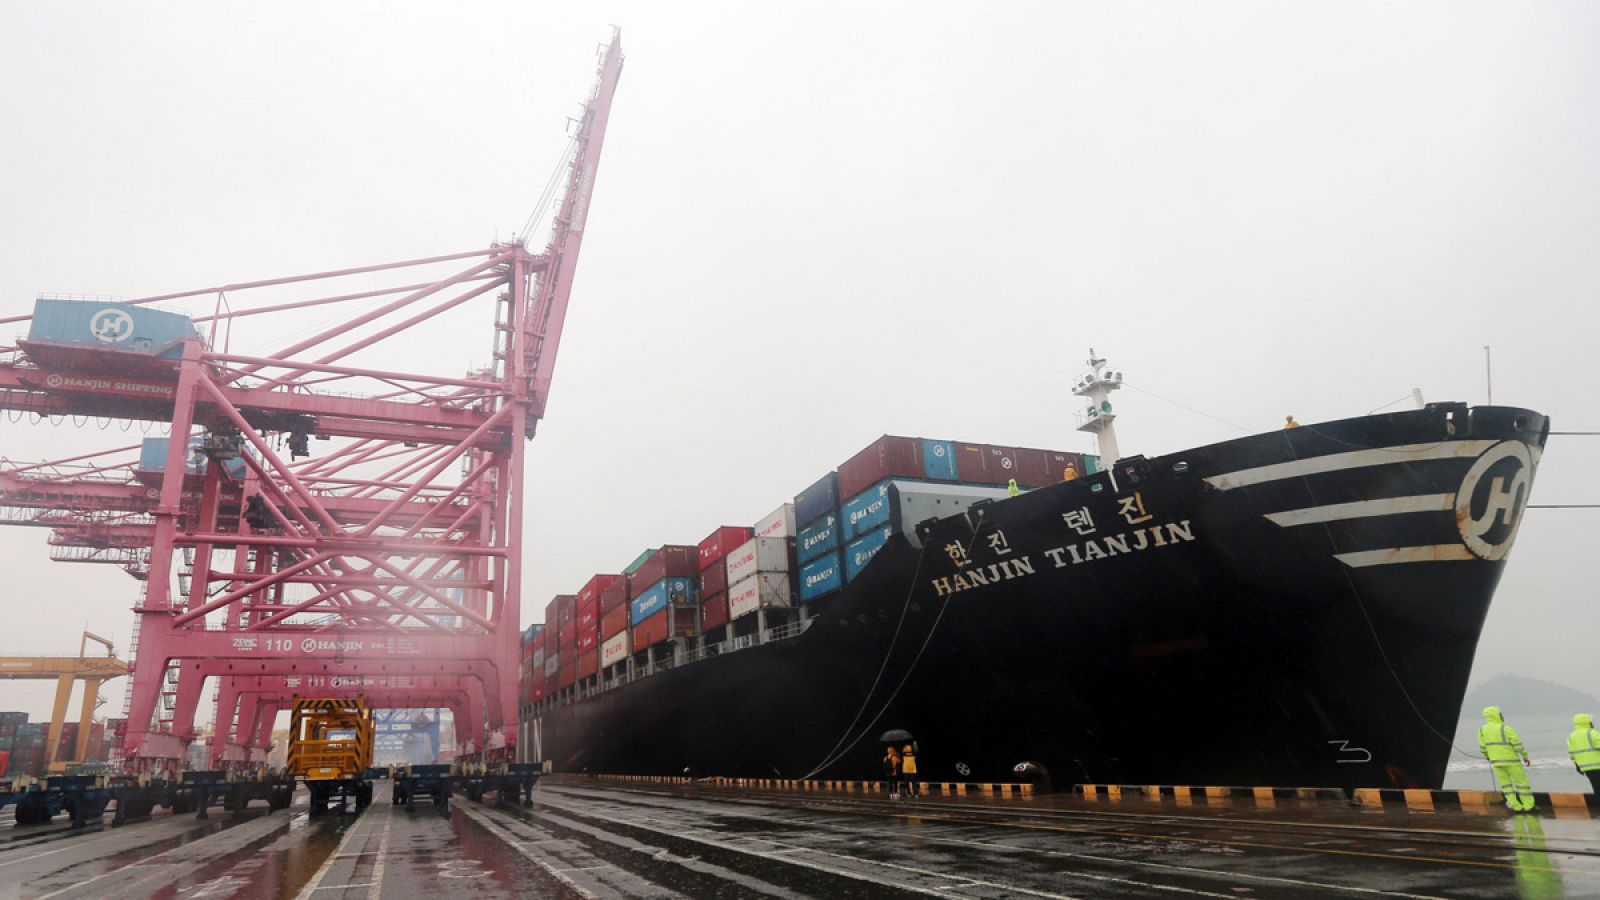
(1433, 553)
(1355, 459)
(1361, 509)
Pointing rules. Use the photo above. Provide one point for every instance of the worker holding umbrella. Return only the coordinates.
(899, 767)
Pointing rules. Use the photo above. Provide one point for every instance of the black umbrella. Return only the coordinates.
(894, 736)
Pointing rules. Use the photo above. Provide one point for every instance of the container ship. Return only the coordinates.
(1296, 608)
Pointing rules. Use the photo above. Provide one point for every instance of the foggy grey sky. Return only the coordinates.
(818, 223)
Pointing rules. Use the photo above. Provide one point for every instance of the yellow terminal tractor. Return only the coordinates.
(330, 748)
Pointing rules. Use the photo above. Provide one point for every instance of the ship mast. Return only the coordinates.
(1097, 416)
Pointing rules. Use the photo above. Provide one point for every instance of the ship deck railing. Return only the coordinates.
(742, 642)
(780, 633)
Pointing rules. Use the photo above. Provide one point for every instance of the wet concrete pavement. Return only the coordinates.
(586, 839)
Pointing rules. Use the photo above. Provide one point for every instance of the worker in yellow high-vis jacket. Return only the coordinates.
(1501, 745)
(1583, 745)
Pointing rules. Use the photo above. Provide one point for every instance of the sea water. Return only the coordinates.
(1545, 736)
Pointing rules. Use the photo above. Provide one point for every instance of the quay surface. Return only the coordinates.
(587, 838)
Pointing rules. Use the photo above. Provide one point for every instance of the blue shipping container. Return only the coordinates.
(819, 499)
(866, 510)
(820, 577)
(860, 551)
(818, 538)
(681, 591)
(939, 460)
(153, 455)
(112, 326)
(153, 458)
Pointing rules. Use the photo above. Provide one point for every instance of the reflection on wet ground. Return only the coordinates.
(584, 839)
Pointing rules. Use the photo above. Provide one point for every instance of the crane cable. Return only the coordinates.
(548, 194)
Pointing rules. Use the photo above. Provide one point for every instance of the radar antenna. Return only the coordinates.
(1097, 415)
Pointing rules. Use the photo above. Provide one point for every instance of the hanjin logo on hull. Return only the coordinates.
(1493, 494)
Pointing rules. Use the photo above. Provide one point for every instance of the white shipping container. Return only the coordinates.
(758, 555)
(552, 665)
(763, 589)
(614, 650)
(780, 523)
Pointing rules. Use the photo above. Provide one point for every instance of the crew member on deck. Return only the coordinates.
(1289, 422)
(1071, 473)
(1502, 747)
(1583, 745)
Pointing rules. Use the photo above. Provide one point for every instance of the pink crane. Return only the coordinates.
(393, 552)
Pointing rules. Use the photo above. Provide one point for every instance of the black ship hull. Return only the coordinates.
(1295, 608)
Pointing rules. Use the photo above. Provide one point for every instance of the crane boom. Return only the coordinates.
(541, 325)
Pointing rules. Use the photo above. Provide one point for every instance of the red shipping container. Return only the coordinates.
(615, 596)
(650, 632)
(1056, 462)
(715, 578)
(714, 611)
(886, 457)
(671, 561)
(588, 662)
(685, 621)
(721, 542)
(588, 616)
(614, 622)
(1002, 464)
(560, 611)
(568, 675)
(970, 461)
(588, 637)
(596, 586)
(1042, 468)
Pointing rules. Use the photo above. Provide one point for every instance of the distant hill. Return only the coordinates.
(1528, 696)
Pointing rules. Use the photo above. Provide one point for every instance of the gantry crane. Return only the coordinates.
(93, 671)
(394, 550)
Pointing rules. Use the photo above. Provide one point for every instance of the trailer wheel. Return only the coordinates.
(33, 810)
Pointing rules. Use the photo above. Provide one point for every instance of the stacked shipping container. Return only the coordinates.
(846, 515)
(588, 607)
(666, 596)
(843, 519)
(714, 552)
(22, 744)
(616, 642)
(531, 672)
